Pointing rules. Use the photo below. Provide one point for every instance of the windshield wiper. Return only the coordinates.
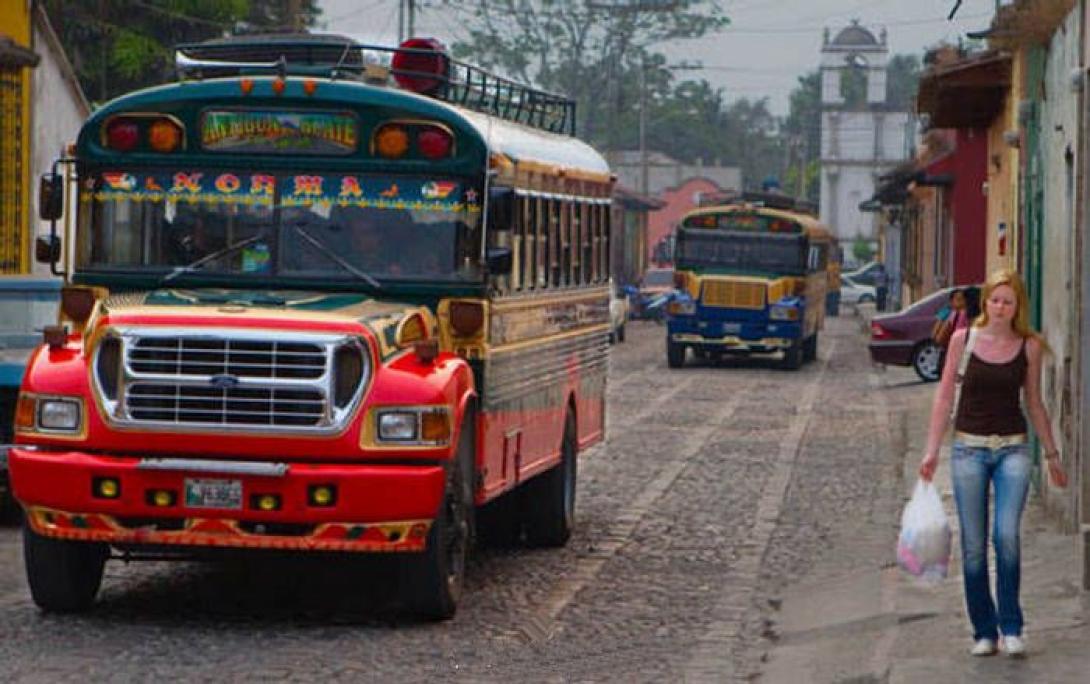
(336, 258)
(218, 254)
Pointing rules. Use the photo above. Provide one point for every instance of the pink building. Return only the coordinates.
(679, 201)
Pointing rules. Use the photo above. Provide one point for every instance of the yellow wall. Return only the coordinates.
(14, 231)
(1003, 160)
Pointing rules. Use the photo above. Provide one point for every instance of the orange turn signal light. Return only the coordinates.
(278, 86)
(392, 142)
(25, 408)
(164, 136)
(435, 426)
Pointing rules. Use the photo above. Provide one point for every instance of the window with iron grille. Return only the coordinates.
(11, 171)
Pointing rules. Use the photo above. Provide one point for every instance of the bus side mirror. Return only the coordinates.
(501, 208)
(47, 249)
(499, 260)
(51, 196)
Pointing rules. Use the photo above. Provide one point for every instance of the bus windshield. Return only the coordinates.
(742, 252)
(315, 225)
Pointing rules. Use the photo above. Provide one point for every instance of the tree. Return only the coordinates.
(589, 51)
(119, 45)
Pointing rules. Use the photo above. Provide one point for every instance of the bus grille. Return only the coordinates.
(188, 356)
(733, 294)
(194, 404)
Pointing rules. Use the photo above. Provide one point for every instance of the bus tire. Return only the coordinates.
(499, 522)
(436, 579)
(809, 348)
(550, 497)
(675, 354)
(792, 356)
(64, 576)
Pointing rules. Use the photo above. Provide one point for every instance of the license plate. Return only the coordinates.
(732, 328)
(213, 493)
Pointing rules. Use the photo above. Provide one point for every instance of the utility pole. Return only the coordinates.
(406, 20)
(412, 18)
(643, 126)
(295, 15)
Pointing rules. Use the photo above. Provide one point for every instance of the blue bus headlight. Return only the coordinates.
(783, 313)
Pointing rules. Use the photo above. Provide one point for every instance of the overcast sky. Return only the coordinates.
(768, 45)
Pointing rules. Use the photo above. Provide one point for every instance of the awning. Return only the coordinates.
(968, 93)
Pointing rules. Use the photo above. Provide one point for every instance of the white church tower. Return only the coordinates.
(860, 143)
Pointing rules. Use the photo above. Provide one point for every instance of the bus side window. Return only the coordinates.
(576, 243)
(541, 243)
(564, 216)
(552, 209)
(526, 230)
(518, 228)
(605, 215)
(587, 259)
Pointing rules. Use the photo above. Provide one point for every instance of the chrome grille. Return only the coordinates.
(187, 356)
(192, 404)
(733, 294)
(233, 380)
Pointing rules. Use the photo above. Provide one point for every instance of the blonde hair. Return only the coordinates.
(1020, 322)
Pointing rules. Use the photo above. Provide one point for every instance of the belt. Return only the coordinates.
(989, 441)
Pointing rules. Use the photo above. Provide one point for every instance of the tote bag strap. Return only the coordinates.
(963, 364)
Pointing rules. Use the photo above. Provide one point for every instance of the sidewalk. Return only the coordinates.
(873, 623)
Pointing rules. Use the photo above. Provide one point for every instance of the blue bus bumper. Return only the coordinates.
(733, 336)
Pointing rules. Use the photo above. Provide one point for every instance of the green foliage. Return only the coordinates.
(120, 45)
(861, 250)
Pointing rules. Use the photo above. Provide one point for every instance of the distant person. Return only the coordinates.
(990, 451)
(881, 286)
(951, 318)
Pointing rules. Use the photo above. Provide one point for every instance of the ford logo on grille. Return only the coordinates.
(223, 381)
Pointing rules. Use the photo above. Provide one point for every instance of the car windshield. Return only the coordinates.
(737, 251)
(248, 224)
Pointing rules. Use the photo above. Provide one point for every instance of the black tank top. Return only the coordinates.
(991, 397)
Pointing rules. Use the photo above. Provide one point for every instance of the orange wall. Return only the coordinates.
(679, 201)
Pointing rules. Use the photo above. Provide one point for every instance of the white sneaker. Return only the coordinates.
(1014, 646)
(983, 647)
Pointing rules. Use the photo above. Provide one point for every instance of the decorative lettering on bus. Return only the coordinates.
(743, 221)
(279, 132)
(299, 190)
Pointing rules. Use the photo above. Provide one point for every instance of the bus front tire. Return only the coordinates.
(550, 497)
(792, 356)
(809, 348)
(437, 577)
(675, 354)
(64, 576)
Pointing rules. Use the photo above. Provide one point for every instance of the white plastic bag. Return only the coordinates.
(923, 548)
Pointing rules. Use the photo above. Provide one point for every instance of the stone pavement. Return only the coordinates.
(857, 618)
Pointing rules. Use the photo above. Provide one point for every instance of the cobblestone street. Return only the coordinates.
(720, 486)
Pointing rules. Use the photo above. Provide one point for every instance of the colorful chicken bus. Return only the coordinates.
(752, 279)
(322, 297)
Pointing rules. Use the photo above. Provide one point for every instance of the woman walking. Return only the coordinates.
(989, 452)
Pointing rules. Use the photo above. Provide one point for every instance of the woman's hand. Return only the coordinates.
(928, 465)
(1056, 473)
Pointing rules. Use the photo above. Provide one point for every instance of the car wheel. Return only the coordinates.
(927, 361)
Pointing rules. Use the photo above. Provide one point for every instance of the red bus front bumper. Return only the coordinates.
(377, 507)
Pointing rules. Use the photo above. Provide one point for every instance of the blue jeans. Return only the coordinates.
(975, 470)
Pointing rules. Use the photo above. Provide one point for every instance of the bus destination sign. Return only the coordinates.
(279, 132)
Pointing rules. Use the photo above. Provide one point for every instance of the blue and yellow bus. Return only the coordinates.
(752, 280)
(326, 297)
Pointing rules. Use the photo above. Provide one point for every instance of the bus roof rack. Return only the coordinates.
(772, 200)
(428, 70)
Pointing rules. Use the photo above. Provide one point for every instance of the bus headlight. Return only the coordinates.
(681, 304)
(420, 426)
(62, 415)
(397, 426)
(783, 313)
